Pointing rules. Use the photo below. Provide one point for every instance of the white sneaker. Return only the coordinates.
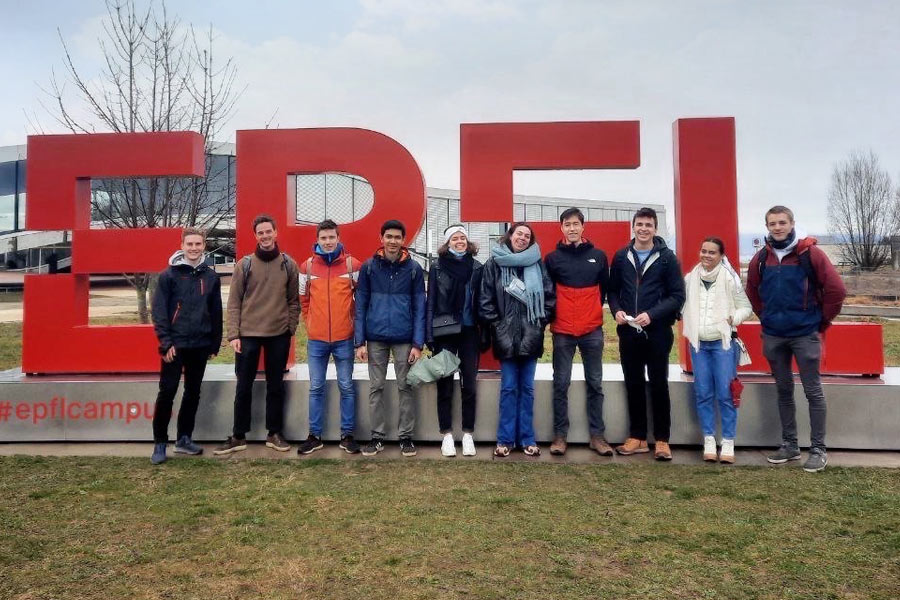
(709, 448)
(447, 446)
(468, 445)
(727, 455)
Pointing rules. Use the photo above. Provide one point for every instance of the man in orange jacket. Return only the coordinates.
(327, 282)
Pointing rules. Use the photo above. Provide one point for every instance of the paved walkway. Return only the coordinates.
(577, 454)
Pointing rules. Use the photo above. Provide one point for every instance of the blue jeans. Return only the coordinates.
(318, 353)
(714, 368)
(515, 426)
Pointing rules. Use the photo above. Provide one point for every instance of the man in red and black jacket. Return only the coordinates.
(580, 273)
(796, 292)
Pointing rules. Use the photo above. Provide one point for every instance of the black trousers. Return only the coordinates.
(276, 349)
(465, 345)
(651, 352)
(193, 362)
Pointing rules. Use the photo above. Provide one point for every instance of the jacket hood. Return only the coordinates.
(404, 255)
(178, 259)
(567, 247)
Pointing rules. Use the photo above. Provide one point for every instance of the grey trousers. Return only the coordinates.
(379, 354)
(591, 345)
(807, 351)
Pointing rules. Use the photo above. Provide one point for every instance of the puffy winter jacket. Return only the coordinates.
(656, 287)
(581, 275)
(326, 296)
(512, 334)
(390, 301)
(187, 307)
(782, 297)
(439, 289)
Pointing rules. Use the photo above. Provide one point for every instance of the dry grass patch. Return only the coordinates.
(109, 527)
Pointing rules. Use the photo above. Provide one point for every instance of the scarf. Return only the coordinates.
(267, 255)
(721, 301)
(531, 291)
(460, 271)
(329, 257)
(783, 243)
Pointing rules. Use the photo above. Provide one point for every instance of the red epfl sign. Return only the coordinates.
(58, 339)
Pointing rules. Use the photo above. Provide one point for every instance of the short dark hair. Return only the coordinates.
(717, 241)
(779, 210)
(393, 224)
(569, 213)
(263, 219)
(645, 212)
(326, 225)
(512, 228)
(192, 231)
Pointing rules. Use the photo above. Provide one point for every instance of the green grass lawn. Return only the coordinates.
(118, 528)
(11, 342)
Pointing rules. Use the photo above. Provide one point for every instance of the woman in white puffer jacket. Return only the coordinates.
(715, 305)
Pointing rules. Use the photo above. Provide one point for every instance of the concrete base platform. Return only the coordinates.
(577, 454)
(863, 413)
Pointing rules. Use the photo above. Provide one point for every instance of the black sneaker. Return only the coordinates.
(311, 444)
(407, 448)
(374, 446)
(349, 445)
(232, 444)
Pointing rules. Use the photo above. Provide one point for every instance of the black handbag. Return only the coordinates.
(443, 325)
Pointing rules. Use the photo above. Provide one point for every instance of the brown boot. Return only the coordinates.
(633, 446)
(559, 446)
(662, 451)
(601, 446)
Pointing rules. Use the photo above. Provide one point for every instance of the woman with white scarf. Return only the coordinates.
(716, 304)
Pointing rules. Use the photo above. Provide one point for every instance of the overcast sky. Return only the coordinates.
(807, 82)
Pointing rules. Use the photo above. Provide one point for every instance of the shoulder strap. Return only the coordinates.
(350, 273)
(308, 275)
(762, 257)
(806, 264)
(245, 264)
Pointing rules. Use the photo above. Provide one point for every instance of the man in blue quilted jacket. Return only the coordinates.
(390, 319)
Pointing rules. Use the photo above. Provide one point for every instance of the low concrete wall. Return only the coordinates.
(863, 413)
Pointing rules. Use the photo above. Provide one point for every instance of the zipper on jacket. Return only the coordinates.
(177, 310)
(328, 287)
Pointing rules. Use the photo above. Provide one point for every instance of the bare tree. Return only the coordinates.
(157, 75)
(862, 210)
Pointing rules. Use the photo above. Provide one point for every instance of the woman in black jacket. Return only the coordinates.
(518, 300)
(451, 323)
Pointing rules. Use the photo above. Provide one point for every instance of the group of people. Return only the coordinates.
(374, 310)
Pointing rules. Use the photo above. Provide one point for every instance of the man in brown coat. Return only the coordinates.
(263, 312)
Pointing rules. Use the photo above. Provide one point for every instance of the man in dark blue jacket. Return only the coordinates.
(187, 318)
(646, 292)
(390, 319)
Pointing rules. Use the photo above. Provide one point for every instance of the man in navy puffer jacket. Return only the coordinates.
(390, 319)
(187, 319)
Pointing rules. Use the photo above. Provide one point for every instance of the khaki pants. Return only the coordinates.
(379, 353)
